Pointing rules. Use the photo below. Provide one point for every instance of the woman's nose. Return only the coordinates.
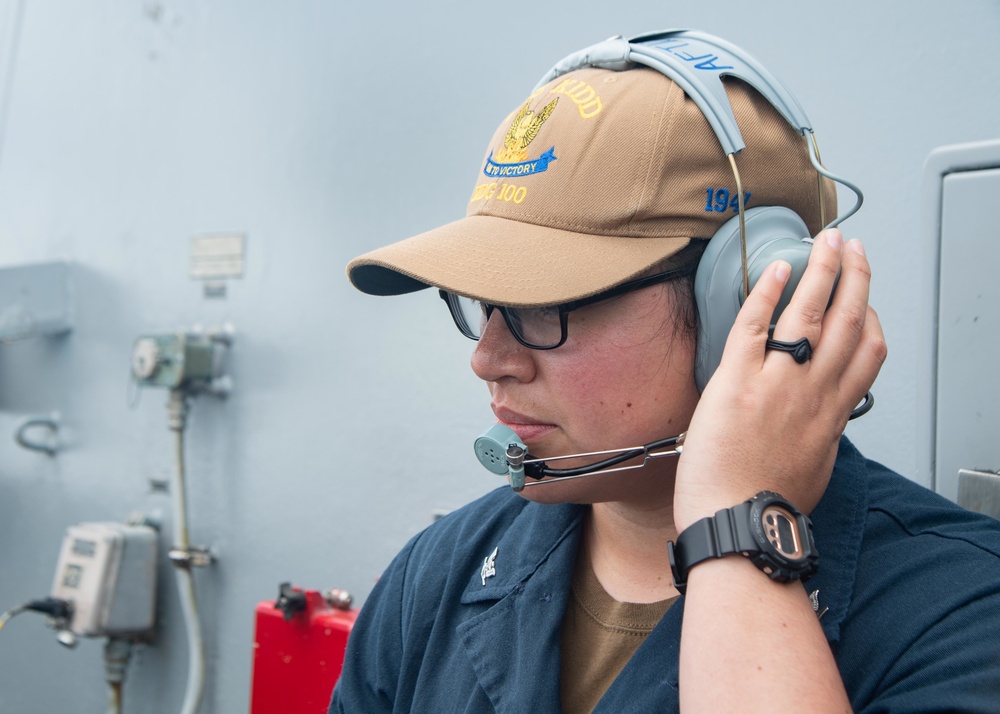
(498, 354)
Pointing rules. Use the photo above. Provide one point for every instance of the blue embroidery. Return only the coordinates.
(521, 168)
(718, 200)
(701, 61)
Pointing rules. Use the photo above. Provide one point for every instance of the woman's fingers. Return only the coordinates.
(848, 346)
(865, 362)
(753, 322)
(805, 313)
(845, 320)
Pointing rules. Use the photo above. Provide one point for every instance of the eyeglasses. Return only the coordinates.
(539, 328)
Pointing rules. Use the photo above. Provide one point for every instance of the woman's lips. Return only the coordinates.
(530, 433)
(527, 429)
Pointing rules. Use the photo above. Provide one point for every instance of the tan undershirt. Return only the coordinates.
(599, 636)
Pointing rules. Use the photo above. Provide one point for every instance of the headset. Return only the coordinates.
(736, 255)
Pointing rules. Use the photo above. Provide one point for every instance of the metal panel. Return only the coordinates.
(34, 300)
(979, 491)
(968, 385)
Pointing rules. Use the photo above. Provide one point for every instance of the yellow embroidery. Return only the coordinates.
(583, 95)
(523, 129)
(503, 192)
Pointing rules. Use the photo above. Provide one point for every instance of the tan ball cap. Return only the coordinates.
(593, 179)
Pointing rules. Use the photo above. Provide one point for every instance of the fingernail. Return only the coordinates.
(781, 271)
(834, 238)
(856, 246)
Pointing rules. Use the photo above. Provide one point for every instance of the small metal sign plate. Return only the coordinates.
(217, 256)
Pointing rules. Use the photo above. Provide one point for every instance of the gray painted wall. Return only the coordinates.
(321, 130)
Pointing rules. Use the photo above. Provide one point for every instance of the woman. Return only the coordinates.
(562, 597)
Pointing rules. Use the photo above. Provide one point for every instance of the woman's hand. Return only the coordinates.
(766, 422)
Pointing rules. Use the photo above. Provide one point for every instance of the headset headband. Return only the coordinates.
(697, 62)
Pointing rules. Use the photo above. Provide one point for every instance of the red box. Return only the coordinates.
(296, 661)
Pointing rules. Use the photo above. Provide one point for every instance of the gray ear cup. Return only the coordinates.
(773, 233)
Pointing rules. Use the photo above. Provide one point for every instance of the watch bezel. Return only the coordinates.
(775, 563)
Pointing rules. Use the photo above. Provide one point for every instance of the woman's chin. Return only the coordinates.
(644, 483)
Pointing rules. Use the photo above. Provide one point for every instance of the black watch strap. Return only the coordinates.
(728, 531)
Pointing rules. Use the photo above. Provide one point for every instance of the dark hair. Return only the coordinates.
(686, 313)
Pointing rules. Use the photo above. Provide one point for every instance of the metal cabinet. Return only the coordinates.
(961, 422)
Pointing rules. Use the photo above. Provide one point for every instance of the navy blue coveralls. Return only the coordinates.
(912, 583)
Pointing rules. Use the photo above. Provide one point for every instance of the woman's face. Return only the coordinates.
(623, 378)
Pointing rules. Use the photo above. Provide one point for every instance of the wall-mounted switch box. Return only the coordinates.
(107, 572)
(172, 359)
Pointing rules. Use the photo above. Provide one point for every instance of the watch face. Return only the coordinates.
(782, 532)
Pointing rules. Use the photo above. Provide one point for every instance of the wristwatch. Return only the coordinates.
(767, 529)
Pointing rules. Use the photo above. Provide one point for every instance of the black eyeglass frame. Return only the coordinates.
(564, 309)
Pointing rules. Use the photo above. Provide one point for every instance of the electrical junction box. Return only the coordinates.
(298, 652)
(107, 572)
(172, 359)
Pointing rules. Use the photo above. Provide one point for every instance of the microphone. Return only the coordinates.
(501, 451)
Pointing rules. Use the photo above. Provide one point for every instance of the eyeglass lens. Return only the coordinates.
(537, 326)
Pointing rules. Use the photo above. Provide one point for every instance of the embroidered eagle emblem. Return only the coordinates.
(522, 132)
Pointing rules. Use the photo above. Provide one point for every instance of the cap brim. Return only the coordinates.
(506, 262)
